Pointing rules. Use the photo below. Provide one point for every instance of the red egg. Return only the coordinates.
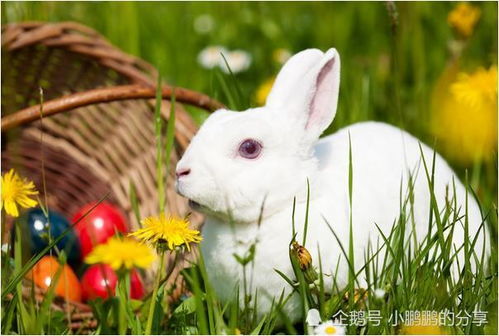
(100, 224)
(98, 281)
(101, 280)
(136, 286)
(44, 272)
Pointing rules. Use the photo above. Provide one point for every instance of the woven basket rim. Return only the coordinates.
(106, 95)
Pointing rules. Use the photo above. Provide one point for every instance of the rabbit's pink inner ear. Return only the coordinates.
(322, 107)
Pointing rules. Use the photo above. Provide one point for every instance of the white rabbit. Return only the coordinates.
(241, 160)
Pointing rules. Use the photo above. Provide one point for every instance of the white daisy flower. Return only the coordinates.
(238, 60)
(330, 328)
(204, 24)
(313, 317)
(379, 293)
(211, 56)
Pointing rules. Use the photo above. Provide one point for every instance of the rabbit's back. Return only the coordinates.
(385, 159)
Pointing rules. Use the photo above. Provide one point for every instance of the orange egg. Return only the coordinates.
(44, 272)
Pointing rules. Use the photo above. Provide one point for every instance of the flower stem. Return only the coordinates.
(152, 306)
(123, 290)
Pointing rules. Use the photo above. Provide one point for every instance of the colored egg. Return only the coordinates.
(39, 228)
(136, 286)
(100, 224)
(101, 281)
(43, 275)
(98, 281)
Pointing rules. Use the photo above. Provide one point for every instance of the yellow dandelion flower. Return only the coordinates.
(172, 231)
(422, 330)
(463, 19)
(422, 327)
(359, 296)
(263, 91)
(477, 89)
(464, 117)
(121, 253)
(16, 191)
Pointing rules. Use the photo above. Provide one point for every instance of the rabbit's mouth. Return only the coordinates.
(194, 205)
(199, 207)
(205, 210)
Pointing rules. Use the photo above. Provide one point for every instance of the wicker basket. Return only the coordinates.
(97, 134)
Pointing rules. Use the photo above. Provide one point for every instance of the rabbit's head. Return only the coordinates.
(240, 163)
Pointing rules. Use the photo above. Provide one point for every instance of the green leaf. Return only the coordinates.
(158, 311)
(288, 280)
(250, 255)
(257, 329)
(187, 306)
(192, 277)
(8, 313)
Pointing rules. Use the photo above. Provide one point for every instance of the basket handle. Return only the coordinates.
(108, 94)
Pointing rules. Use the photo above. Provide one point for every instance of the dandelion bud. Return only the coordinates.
(463, 19)
(303, 256)
(359, 297)
(304, 259)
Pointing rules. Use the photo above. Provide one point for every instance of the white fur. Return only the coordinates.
(300, 106)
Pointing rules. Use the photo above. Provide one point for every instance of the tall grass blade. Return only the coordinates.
(24, 318)
(349, 262)
(158, 125)
(238, 95)
(351, 257)
(226, 90)
(170, 135)
(305, 226)
(135, 203)
(43, 315)
(293, 218)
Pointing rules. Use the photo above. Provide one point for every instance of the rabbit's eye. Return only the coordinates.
(250, 149)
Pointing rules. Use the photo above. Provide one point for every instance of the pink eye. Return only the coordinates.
(250, 149)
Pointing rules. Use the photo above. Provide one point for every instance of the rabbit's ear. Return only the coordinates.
(307, 89)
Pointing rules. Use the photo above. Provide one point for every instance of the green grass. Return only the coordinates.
(388, 73)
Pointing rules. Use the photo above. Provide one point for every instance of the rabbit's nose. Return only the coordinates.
(182, 172)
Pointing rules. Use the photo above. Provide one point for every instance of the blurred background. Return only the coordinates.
(428, 67)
